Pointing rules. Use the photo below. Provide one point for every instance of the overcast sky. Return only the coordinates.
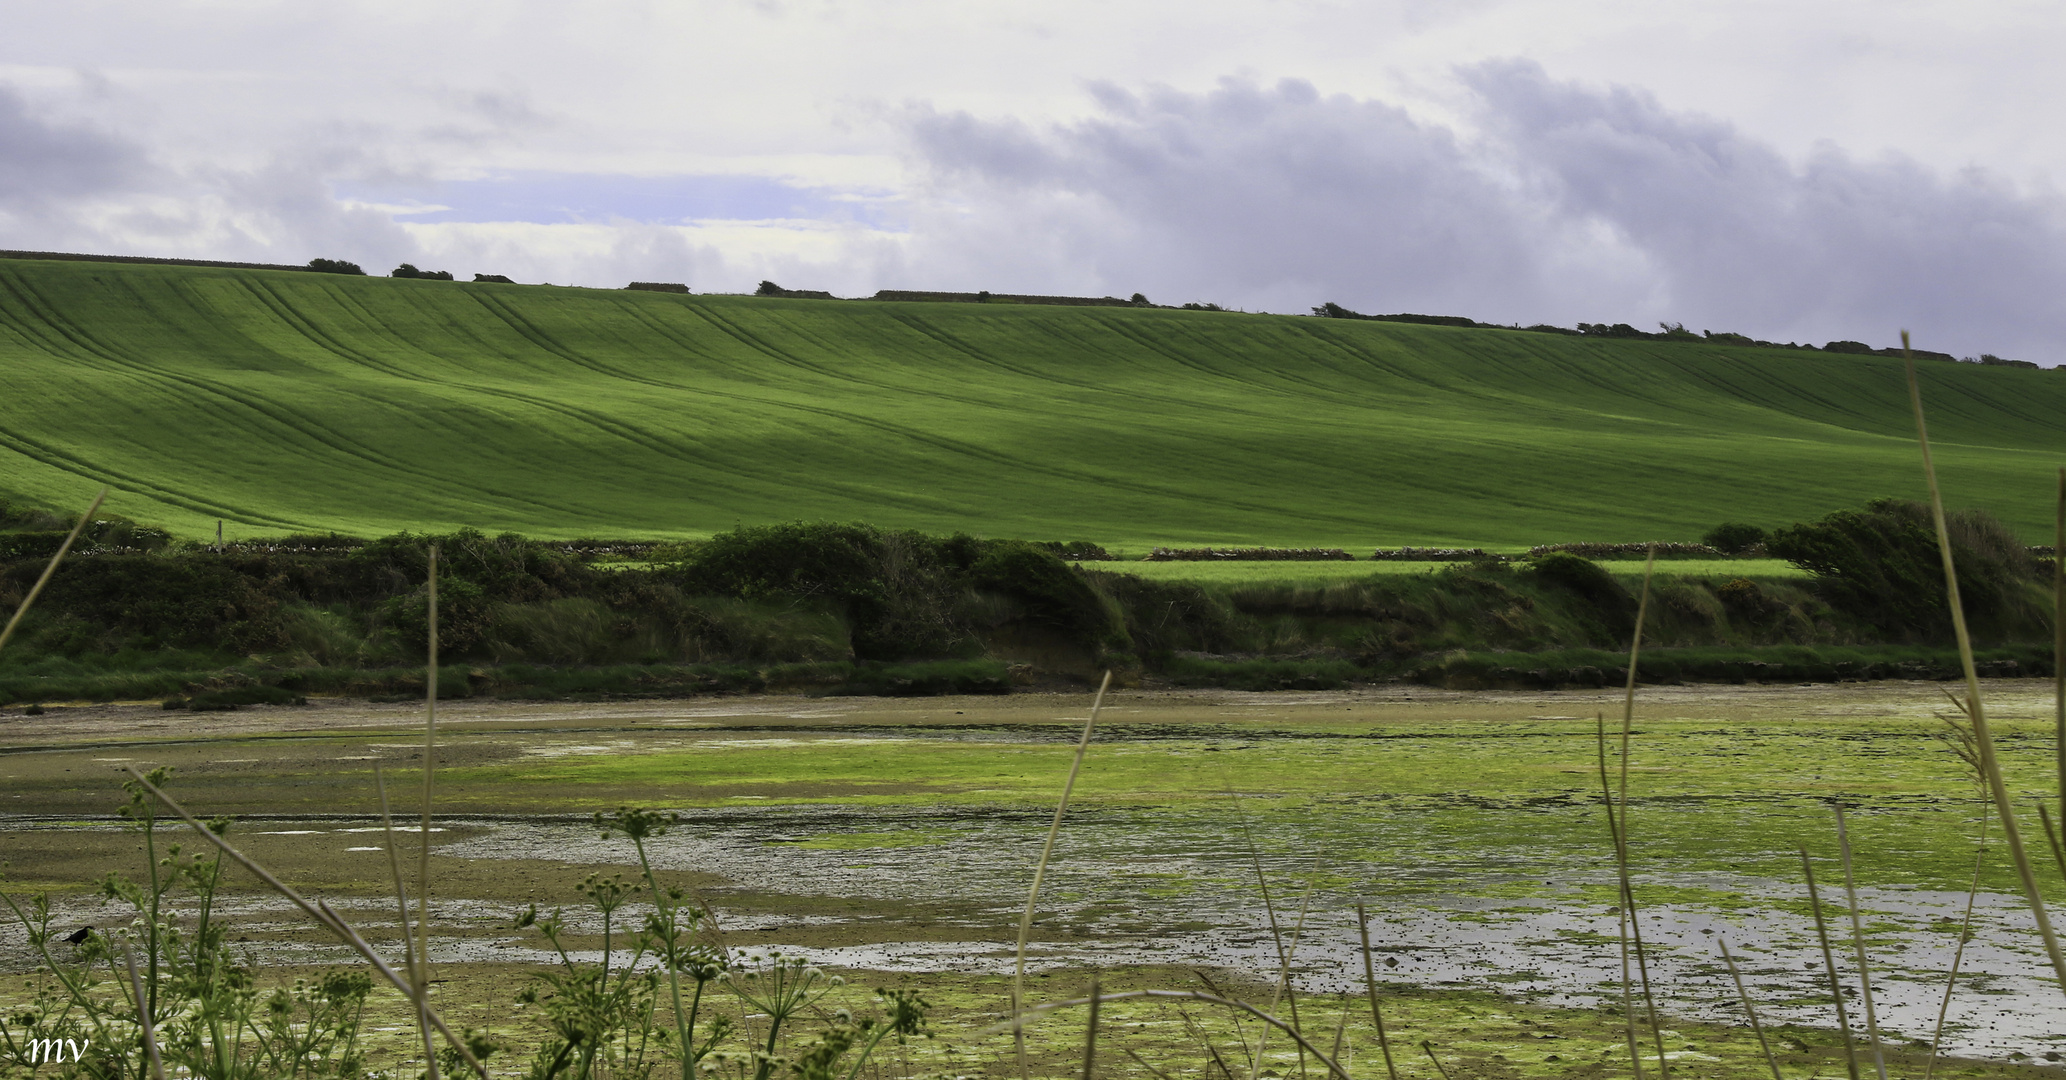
(1794, 170)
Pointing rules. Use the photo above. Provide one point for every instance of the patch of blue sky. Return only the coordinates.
(557, 198)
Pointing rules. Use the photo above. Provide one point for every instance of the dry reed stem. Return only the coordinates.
(1628, 1001)
(421, 969)
(1958, 955)
(1211, 1051)
(430, 744)
(2059, 648)
(394, 865)
(1019, 1020)
(1843, 843)
(143, 1015)
(1370, 988)
(1628, 890)
(1743, 995)
(1284, 992)
(36, 590)
(2051, 835)
(1018, 979)
(1428, 1048)
(1090, 1033)
(1143, 1063)
(1262, 882)
(1836, 985)
(321, 912)
(1983, 735)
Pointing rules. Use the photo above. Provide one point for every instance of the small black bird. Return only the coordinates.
(79, 936)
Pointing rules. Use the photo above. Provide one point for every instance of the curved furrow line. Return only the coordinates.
(309, 330)
(951, 446)
(1116, 328)
(63, 340)
(300, 423)
(983, 356)
(94, 472)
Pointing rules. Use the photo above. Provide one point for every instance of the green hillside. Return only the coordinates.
(292, 401)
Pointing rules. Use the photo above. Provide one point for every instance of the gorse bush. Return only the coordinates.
(1881, 565)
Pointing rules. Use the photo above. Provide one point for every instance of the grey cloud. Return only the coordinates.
(76, 188)
(43, 163)
(1834, 246)
(1564, 203)
(1269, 195)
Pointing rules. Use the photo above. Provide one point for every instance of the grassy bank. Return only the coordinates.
(281, 402)
(849, 608)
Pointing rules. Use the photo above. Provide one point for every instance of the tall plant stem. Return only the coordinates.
(1958, 955)
(1018, 978)
(1618, 825)
(323, 914)
(1090, 1034)
(44, 579)
(1836, 985)
(421, 971)
(1370, 988)
(1628, 1001)
(1843, 843)
(1983, 735)
(2059, 645)
(1749, 1010)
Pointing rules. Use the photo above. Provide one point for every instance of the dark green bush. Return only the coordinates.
(1882, 566)
(1590, 582)
(1053, 595)
(148, 601)
(335, 266)
(1735, 538)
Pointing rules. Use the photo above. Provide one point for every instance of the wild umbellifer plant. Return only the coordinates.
(209, 1016)
(605, 1018)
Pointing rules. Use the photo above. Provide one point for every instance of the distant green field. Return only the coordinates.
(280, 401)
(1306, 573)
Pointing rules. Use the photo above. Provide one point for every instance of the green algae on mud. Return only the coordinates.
(1474, 816)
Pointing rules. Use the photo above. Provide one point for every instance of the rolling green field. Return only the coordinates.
(280, 401)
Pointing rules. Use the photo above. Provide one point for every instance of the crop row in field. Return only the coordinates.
(279, 401)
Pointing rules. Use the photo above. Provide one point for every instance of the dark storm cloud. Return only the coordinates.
(1565, 202)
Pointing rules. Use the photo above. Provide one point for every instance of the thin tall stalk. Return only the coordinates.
(421, 969)
(1836, 984)
(37, 589)
(1628, 1001)
(1370, 988)
(1843, 843)
(1749, 1009)
(150, 1036)
(1628, 890)
(1018, 979)
(324, 915)
(1090, 1034)
(2059, 645)
(1958, 955)
(1428, 1048)
(1983, 735)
